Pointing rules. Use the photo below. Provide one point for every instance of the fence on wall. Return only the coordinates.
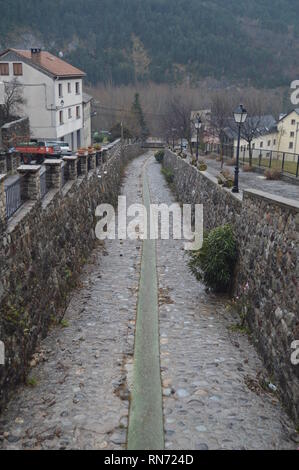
(287, 163)
(13, 197)
(13, 186)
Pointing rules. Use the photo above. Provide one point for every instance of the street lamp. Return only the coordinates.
(240, 116)
(198, 125)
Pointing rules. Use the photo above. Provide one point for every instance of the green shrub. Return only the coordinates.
(159, 156)
(202, 166)
(169, 176)
(214, 263)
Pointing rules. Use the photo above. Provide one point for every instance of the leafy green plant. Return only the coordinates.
(159, 156)
(214, 263)
(169, 176)
(32, 382)
(64, 323)
(225, 178)
(202, 166)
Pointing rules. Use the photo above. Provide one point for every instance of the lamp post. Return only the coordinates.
(240, 116)
(198, 125)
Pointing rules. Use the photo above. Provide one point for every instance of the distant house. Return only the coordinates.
(207, 134)
(53, 93)
(265, 136)
(288, 133)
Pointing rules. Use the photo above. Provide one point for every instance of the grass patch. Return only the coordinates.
(32, 382)
(289, 167)
(64, 323)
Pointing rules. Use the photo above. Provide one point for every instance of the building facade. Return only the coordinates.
(52, 90)
(87, 100)
(288, 133)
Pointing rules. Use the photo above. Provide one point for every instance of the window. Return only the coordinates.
(60, 117)
(77, 88)
(269, 143)
(78, 114)
(70, 113)
(60, 90)
(18, 69)
(293, 122)
(253, 145)
(69, 87)
(292, 134)
(291, 145)
(4, 69)
(274, 142)
(261, 145)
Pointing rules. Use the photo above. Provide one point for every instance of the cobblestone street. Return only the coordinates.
(78, 392)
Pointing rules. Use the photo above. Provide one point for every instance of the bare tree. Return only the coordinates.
(221, 110)
(177, 120)
(13, 100)
(255, 122)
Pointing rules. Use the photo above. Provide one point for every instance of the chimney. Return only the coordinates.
(36, 54)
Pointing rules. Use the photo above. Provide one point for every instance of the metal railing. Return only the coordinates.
(13, 198)
(43, 183)
(287, 163)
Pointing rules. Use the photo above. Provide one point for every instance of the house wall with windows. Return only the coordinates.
(69, 105)
(38, 92)
(288, 133)
(265, 143)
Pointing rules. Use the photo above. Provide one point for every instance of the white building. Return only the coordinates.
(52, 89)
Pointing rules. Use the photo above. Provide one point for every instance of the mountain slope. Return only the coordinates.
(234, 40)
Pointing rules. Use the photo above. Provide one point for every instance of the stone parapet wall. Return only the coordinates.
(42, 249)
(15, 132)
(267, 232)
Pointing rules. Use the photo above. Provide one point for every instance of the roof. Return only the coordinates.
(262, 125)
(49, 63)
(283, 116)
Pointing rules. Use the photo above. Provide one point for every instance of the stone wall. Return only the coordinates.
(15, 132)
(267, 231)
(42, 248)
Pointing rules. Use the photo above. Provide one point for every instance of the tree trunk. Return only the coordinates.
(250, 154)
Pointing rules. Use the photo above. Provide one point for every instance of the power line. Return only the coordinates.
(126, 111)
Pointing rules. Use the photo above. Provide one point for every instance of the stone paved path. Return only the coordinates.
(80, 400)
(80, 397)
(205, 367)
(252, 180)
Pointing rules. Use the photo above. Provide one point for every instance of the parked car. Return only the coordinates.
(65, 147)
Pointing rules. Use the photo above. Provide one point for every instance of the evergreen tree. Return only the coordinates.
(139, 126)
